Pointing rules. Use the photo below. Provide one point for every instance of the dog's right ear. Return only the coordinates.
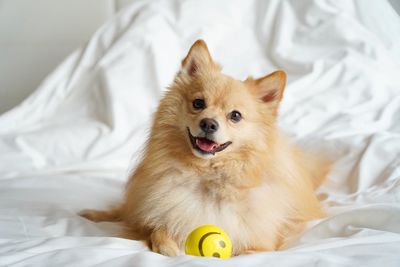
(198, 57)
(269, 89)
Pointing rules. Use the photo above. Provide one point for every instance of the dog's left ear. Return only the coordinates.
(270, 88)
(197, 58)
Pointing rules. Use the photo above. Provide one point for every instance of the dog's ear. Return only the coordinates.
(198, 57)
(270, 88)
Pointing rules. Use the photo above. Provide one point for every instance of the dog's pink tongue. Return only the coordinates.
(205, 144)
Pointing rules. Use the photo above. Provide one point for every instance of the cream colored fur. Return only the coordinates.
(260, 189)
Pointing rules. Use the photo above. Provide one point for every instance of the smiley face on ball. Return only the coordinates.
(209, 241)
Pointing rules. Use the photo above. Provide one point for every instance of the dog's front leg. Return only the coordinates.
(163, 243)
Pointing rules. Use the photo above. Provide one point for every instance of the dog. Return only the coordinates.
(216, 156)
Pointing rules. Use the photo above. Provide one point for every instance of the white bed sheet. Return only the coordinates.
(69, 145)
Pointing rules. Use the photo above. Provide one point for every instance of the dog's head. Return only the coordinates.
(216, 114)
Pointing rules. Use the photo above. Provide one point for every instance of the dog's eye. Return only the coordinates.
(235, 116)
(199, 103)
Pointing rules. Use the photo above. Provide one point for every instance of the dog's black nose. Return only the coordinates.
(209, 125)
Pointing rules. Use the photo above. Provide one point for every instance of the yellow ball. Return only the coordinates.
(209, 241)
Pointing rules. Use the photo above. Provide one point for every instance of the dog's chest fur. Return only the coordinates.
(184, 200)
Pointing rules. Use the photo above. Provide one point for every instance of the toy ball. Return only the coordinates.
(209, 241)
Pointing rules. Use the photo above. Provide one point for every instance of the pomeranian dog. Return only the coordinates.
(215, 156)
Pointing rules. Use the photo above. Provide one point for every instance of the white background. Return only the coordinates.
(36, 35)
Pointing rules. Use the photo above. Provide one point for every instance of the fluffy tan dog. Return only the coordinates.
(215, 156)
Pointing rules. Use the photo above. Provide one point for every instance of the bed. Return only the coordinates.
(74, 141)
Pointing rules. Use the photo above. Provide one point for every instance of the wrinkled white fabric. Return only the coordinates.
(70, 145)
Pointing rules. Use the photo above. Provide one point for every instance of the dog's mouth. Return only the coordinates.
(205, 145)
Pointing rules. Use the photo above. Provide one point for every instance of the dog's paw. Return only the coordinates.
(255, 250)
(167, 249)
(250, 252)
(161, 242)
